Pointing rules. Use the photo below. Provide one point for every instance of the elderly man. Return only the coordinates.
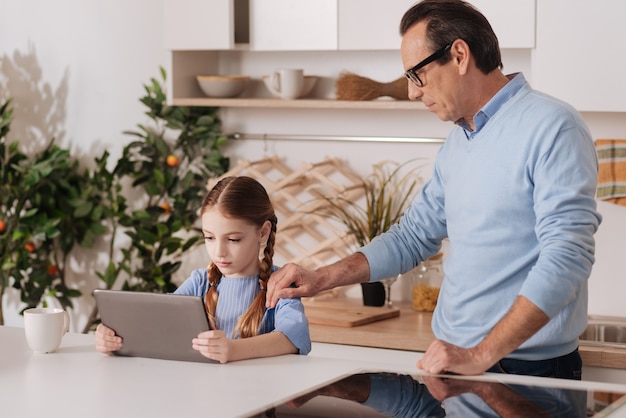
(513, 189)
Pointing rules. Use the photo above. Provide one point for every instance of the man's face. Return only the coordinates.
(439, 92)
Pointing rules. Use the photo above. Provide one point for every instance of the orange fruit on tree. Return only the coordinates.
(3, 226)
(166, 208)
(53, 270)
(29, 246)
(172, 160)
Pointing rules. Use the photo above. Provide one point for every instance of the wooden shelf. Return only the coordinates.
(380, 104)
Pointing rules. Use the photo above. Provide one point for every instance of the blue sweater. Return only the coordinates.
(516, 198)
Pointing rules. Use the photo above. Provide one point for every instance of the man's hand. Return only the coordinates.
(444, 388)
(442, 357)
(519, 324)
(350, 270)
(279, 285)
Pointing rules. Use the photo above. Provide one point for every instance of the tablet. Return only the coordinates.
(154, 325)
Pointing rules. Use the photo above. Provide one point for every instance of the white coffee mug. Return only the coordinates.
(44, 328)
(288, 82)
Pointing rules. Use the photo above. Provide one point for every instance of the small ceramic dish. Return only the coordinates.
(222, 85)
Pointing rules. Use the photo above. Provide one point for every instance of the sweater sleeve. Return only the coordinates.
(565, 184)
(289, 319)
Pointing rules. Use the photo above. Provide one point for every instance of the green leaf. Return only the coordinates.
(83, 210)
(141, 214)
(147, 236)
(162, 230)
(109, 275)
(158, 176)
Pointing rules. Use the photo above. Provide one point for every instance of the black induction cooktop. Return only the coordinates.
(401, 395)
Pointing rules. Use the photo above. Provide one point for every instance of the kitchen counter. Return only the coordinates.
(411, 331)
(77, 381)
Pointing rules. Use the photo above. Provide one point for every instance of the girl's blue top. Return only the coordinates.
(237, 294)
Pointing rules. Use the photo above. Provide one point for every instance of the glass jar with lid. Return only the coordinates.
(427, 280)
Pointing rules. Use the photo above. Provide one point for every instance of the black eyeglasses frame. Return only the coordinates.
(411, 73)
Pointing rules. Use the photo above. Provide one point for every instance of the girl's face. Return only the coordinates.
(233, 244)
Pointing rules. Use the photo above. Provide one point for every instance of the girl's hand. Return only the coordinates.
(214, 345)
(106, 340)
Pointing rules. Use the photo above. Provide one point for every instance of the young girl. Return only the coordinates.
(238, 220)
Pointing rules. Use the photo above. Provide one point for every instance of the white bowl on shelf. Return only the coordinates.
(221, 86)
(309, 83)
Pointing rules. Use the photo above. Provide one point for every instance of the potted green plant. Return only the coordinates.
(48, 207)
(155, 190)
(388, 191)
(49, 204)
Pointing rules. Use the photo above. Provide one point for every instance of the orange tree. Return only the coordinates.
(145, 207)
(165, 170)
(48, 206)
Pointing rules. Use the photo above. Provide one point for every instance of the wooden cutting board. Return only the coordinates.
(346, 316)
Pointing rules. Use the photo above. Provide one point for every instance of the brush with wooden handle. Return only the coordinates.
(350, 86)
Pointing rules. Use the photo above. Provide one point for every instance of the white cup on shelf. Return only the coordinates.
(288, 82)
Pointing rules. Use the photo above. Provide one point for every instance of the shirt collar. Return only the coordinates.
(516, 82)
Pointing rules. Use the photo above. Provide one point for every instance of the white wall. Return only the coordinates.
(76, 68)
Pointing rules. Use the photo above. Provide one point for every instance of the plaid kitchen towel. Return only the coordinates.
(612, 170)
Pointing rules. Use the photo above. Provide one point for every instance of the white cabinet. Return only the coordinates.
(512, 21)
(319, 25)
(580, 53)
(374, 25)
(198, 24)
(279, 25)
(371, 24)
(604, 374)
(283, 25)
(288, 25)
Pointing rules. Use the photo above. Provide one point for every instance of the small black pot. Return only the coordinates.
(373, 294)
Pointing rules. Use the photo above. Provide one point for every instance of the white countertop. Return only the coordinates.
(77, 381)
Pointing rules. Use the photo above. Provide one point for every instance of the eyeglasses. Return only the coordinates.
(411, 73)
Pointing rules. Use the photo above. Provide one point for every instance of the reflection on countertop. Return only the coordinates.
(384, 394)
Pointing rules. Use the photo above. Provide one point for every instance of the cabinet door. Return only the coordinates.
(371, 24)
(293, 25)
(579, 56)
(198, 24)
(512, 21)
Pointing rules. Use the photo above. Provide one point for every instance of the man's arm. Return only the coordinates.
(519, 324)
(351, 270)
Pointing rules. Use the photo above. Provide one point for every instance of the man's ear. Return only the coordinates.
(461, 55)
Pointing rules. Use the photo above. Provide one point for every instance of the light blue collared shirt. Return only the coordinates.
(481, 118)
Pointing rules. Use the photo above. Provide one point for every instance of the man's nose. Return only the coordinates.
(415, 93)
